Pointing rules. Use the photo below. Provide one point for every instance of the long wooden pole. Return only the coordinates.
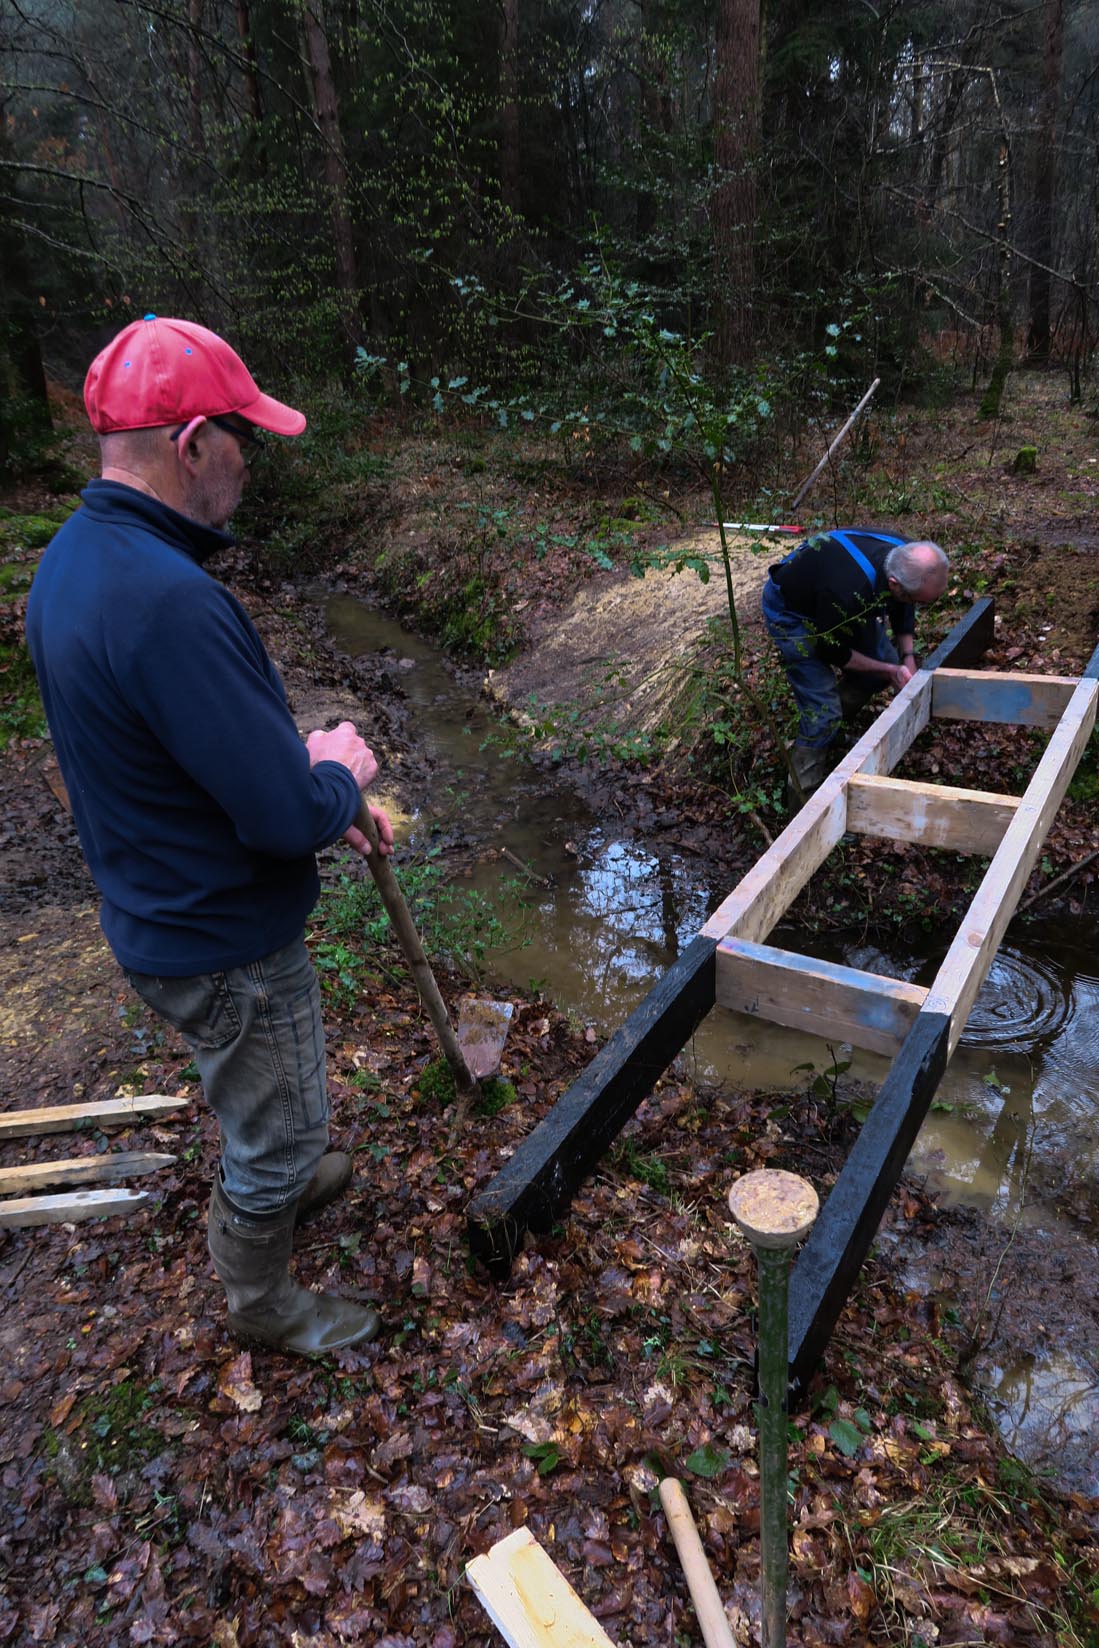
(836, 443)
(713, 1621)
(409, 939)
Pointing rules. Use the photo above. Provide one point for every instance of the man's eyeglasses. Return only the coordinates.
(251, 441)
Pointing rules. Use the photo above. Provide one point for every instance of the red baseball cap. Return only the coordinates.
(170, 371)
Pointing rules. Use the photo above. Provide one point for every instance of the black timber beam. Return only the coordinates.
(831, 1259)
(543, 1175)
(968, 641)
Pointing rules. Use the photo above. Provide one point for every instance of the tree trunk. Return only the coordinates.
(247, 46)
(509, 106)
(1045, 180)
(993, 395)
(733, 202)
(335, 171)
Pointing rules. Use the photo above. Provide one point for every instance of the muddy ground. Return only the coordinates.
(165, 1486)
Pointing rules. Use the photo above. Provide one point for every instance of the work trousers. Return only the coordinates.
(815, 684)
(258, 1041)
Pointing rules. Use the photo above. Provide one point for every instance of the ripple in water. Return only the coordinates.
(1023, 1000)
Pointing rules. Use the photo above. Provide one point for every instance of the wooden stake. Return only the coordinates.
(105, 1113)
(78, 1204)
(121, 1164)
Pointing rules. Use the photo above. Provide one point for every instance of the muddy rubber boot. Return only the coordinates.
(251, 1258)
(812, 764)
(331, 1179)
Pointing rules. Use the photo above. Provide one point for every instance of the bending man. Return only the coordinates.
(198, 806)
(825, 606)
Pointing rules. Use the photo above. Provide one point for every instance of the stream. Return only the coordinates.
(1013, 1136)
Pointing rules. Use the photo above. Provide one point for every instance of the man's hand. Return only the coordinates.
(358, 841)
(899, 675)
(345, 746)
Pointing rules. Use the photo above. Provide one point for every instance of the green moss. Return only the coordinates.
(437, 1087)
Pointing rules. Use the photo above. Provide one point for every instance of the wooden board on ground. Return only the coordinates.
(528, 1598)
(77, 1204)
(122, 1164)
(103, 1114)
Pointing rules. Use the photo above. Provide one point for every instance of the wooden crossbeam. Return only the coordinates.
(820, 997)
(122, 1164)
(77, 1204)
(935, 815)
(762, 897)
(1020, 700)
(977, 940)
(528, 1598)
(68, 1118)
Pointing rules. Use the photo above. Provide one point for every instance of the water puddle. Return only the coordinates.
(1014, 1132)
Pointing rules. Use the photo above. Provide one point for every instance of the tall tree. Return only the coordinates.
(733, 203)
(1045, 179)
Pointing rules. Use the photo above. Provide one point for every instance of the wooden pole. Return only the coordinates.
(835, 444)
(712, 1619)
(409, 939)
(774, 1210)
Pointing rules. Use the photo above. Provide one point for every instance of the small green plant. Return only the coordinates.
(650, 1170)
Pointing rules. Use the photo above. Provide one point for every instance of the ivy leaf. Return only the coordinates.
(847, 1437)
(707, 1461)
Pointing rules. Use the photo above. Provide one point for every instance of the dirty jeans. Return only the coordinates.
(814, 683)
(258, 1042)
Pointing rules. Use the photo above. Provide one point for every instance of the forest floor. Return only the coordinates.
(164, 1485)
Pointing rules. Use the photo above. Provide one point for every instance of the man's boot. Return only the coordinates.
(331, 1179)
(252, 1257)
(812, 763)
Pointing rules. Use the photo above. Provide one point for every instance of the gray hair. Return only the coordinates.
(910, 565)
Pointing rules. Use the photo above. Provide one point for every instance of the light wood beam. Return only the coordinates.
(528, 1598)
(105, 1113)
(985, 922)
(1017, 699)
(77, 1204)
(762, 897)
(935, 815)
(120, 1164)
(822, 998)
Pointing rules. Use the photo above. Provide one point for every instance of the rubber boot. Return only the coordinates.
(331, 1179)
(812, 763)
(252, 1258)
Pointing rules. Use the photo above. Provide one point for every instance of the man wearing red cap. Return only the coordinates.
(199, 808)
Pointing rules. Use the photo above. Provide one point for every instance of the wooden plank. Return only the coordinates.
(827, 1266)
(121, 1164)
(978, 938)
(537, 1184)
(982, 695)
(763, 896)
(76, 1204)
(528, 1598)
(103, 1114)
(819, 997)
(935, 815)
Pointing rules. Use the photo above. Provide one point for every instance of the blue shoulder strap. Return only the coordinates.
(856, 553)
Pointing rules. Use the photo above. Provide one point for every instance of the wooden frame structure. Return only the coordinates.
(730, 964)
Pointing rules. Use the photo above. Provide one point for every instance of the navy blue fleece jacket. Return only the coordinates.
(191, 788)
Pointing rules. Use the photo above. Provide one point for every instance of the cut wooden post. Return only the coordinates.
(1015, 700)
(528, 1598)
(934, 815)
(77, 1204)
(774, 1210)
(823, 998)
(103, 1114)
(123, 1164)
